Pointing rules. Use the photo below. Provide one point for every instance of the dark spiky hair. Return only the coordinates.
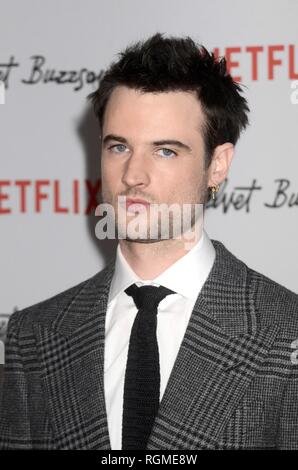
(161, 64)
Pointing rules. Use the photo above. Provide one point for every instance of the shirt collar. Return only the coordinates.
(185, 276)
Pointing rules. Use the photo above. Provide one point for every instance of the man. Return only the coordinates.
(169, 346)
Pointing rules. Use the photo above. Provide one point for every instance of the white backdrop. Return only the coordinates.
(49, 145)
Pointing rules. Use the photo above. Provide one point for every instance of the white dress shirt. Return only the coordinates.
(185, 277)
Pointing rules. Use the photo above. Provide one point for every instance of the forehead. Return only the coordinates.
(133, 110)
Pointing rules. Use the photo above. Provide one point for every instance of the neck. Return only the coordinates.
(148, 260)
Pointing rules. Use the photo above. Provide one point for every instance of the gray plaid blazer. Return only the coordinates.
(234, 384)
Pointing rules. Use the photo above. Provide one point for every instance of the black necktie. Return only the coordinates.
(142, 376)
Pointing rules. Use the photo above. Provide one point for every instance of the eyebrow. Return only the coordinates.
(176, 143)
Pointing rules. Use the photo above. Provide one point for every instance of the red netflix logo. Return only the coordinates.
(262, 61)
(51, 196)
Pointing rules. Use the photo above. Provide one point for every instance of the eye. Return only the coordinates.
(168, 153)
(113, 147)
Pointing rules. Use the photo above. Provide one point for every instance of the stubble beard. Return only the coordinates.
(159, 232)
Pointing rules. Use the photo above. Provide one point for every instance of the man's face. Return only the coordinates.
(136, 163)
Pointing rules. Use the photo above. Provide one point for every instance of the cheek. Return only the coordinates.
(186, 186)
(187, 178)
(109, 175)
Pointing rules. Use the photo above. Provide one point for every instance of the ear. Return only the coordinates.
(220, 163)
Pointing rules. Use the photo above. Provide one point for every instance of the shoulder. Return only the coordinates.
(272, 302)
(278, 294)
(47, 310)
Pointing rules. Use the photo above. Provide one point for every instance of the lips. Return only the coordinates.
(130, 202)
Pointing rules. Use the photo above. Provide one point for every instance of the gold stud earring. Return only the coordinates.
(214, 190)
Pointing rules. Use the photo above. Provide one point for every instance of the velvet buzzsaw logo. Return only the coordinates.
(2, 92)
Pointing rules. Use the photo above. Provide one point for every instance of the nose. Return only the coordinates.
(136, 170)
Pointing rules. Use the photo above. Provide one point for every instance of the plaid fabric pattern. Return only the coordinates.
(234, 384)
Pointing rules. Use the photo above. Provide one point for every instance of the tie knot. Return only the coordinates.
(147, 296)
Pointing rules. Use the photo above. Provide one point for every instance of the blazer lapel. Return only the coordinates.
(72, 366)
(221, 352)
